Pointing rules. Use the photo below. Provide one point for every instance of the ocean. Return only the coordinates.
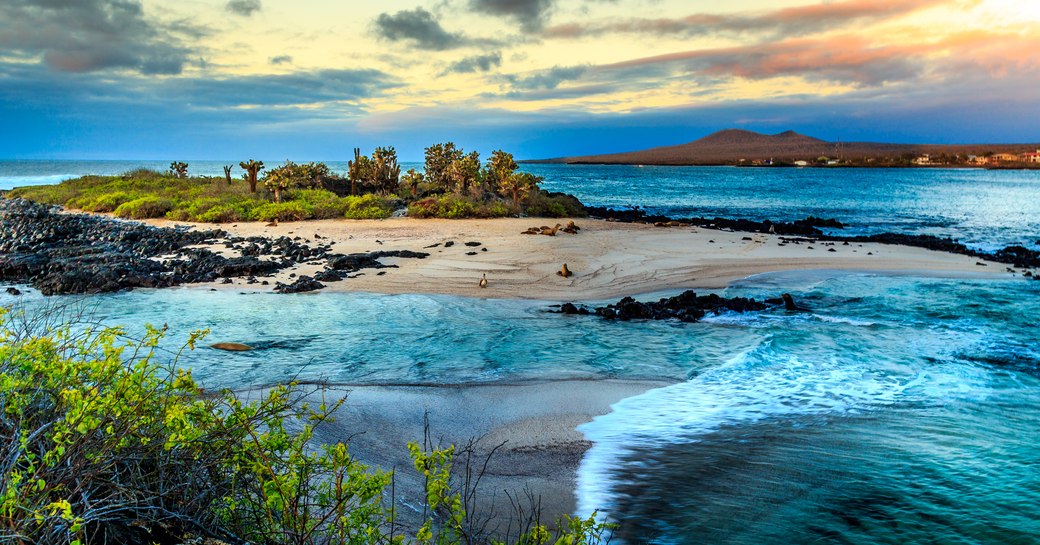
(898, 409)
(985, 209)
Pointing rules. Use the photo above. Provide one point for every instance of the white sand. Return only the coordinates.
(609, 260)
(537, 421)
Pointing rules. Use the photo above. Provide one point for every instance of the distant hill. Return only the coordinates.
(733, 146)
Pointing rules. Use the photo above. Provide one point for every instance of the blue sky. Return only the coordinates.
(310, 80)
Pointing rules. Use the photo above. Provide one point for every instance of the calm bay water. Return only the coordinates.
(983, 208)
(901, 409)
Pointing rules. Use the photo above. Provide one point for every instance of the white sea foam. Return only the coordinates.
(759, 383)
(843, 320)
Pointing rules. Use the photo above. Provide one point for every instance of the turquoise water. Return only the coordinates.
(900, 409)
(983, 208)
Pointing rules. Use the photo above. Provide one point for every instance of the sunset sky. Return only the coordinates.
(311, 79)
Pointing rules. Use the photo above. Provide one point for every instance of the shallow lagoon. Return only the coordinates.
(897, 409)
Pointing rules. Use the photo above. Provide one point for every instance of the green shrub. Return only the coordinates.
(102, 443)
(50, 194)
(367, 207)
(446, 206)
(198, 206)
(144, 208)
(224, 213)
(325, 204)
(286, 211)
(179, 214)
(423, 208)
(552, 205)
(145, 174)
(494, 209)
(109, 202)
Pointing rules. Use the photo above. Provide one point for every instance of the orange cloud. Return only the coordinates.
(788, 21)
(854, 58)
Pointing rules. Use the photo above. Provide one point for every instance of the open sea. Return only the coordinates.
(898, 410)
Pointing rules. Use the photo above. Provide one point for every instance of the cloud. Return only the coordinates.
(244, 8)
(281, 59)
(90, 35)
(302, 114)
(847, 59)
(419, 27)
(545, 79)
(531, 14)
(31, 85)
(476, 63)
(297, 89)
(793, 21)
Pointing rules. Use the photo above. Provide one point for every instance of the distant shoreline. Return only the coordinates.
(1029, 167)
(747, 148)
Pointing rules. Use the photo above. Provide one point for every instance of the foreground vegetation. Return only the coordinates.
(453, 184)
(100, 443)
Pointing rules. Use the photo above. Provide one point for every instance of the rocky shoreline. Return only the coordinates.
(68, 253)
(685, 307)
(1016, 256)
(62, 253)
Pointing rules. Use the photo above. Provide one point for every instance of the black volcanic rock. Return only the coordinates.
(685, 307)
(60, 253)
(355, 262)
(302, 284)
(809, 227)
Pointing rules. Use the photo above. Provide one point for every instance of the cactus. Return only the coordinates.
(179, 169)
(252, 168)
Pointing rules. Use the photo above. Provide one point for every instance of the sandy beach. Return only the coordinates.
(531, 426)
(535, 423)
(609, 259)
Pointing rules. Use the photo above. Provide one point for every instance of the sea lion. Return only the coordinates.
(232, 347)
(564, 271)
(483, 281)
(551, 232)
(273, 223)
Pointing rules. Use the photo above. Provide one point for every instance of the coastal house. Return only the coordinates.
(801, 163)
(923, 160)
(1030, 157)
(978, 160)
(1005, 157)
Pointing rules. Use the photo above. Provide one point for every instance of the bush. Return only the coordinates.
(367, 207)
(552, 205)
(144, 208)
(494, 209)
(100, 443)
(144, 174)
(178, 215)
(108, 202)
(446, 206)
(325, 204)
(224, 213)
(286, 211)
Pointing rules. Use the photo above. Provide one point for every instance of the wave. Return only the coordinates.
(767, 381)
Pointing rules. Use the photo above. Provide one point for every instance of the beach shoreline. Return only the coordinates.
(530, 426)
(608, 259)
